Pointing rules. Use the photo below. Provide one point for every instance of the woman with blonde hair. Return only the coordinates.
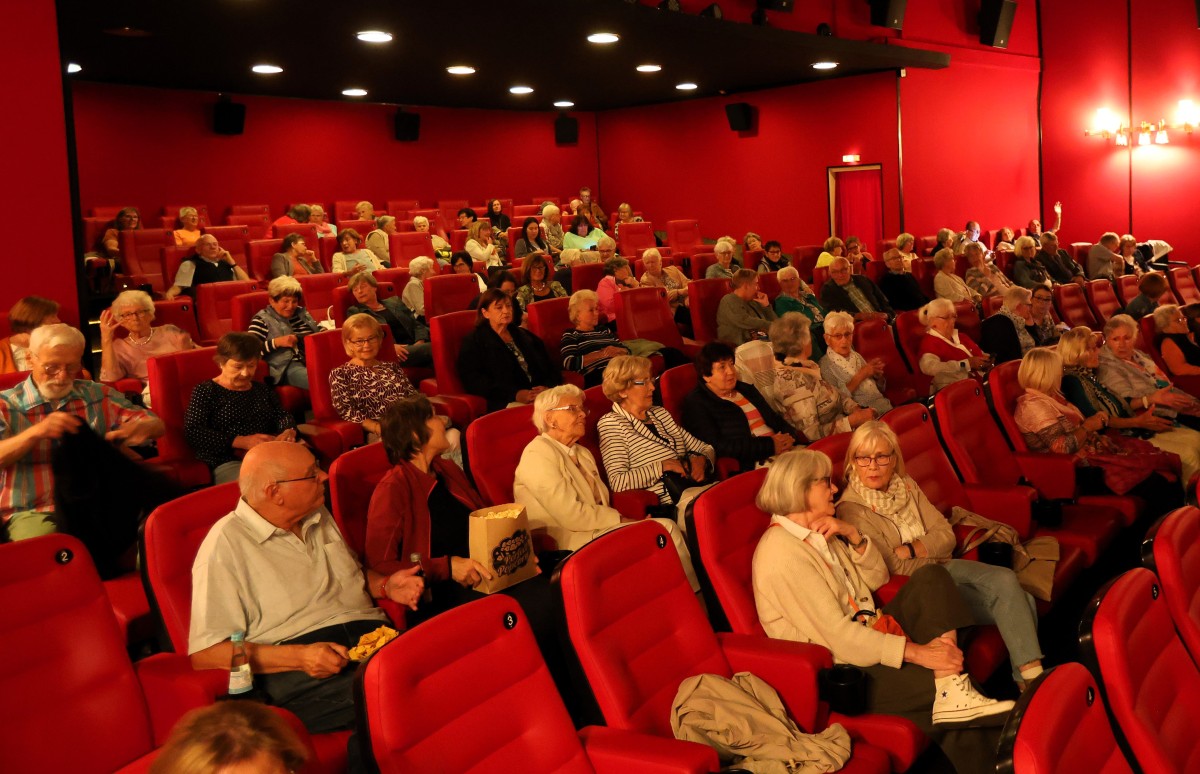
(833, 248)
(189, 227)
(231, 736)
(28, 314)
(946, 354)
(670, 278)
(480, 244)
(949, 285)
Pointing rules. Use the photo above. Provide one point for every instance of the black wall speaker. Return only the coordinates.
(1198, 13)
(887, 13)
(996, 20)
(787, 5)
(229, 117)
(566, 130)
(740, 116)
(408, 126)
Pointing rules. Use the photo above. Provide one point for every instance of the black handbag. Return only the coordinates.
(676, 483)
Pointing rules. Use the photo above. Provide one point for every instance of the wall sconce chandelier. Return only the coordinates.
(1107, 124)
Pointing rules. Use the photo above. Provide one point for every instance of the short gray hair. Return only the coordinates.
(787, 272)
(723, 247)
(1120, 321)
(935, 308)
(549, 399)
(606, 241)
(383, 220)
(56, 335)
(943, 257)
(1164, 316)
(838, 321)
(551, 209)
(789, 478)
(138, 298)
(790, 334)
(419, 220)
(420, 266)
(1015, 296)
(577, 298)
(651, 252)
(284, 286)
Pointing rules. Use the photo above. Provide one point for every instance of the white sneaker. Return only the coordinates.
(958, 705)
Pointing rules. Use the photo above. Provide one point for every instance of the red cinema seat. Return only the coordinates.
(260, 253)
(171, 212)
(398, 277)
(768, 282)
(1072, 306)
(586, 276)
(257, 226)
(318, 293)
(445, 293)
(700, 263)
(214, 312)
(446, 332)
(522, 211)
(820, 275)
(875, 339)
(639, 631)
(926, 246)
(706, 295)
(352, 480)
(141, 254)
(436, 224)
(402, 248)
(1060, 724)
(172, 258)
(910, 332)
(233, 239)
(108, 213)
(683, 237)
(344, 212)
(513, 234)
(923, 272)
(243, 308)
(363, 227)
(1102, 299)
(1149, 682)
(968, 319)
(751, 259)
(643, 313)
(343, 299)
(306, 230)
(884, 246)
(180, 312)
(400, 207)
(1172, 551)
(1184, 285)
(674, 385)
(250, 209)
(992, 304)
(458, 239)
(548, 319)
(172, 378)
(875, 271)
(974, 442)
(494, 445)
(1079, 250)
(804, 258)
(450, 207)
(324, 352)
(1127, 289)
(636, 238)
(508, 715)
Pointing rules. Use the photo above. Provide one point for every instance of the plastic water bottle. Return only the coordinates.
(241, 679)
(427, 595)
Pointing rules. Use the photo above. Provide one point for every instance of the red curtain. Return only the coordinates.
(858, 201)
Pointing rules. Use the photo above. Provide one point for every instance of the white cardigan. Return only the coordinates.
(557, 496)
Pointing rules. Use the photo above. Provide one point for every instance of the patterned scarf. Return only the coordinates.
(1098, 395)
(897, 503)
(1027, 342)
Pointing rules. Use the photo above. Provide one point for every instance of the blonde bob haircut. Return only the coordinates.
(359, 322)
(905, 239)
(1024, 243)
(549, 399)
(284, 286)
(943, 257)
(873, 437)
(211, 739)
(1074, 344)
(578, 298)
(832, 243)
(791, 475)
(621, 372)
(476, 229)
(1041, 370)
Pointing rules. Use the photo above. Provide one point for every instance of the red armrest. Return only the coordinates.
(1053, 475)
(1189, 384)
(889, 590)
(619, 752)
(789, 667)
(1009, 504)
(899, 737)
(633, 503)
(961, 533)
(326, 441)
(173, 688)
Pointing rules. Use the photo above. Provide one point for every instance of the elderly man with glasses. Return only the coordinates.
(854, 294)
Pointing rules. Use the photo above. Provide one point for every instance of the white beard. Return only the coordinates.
(51, 391)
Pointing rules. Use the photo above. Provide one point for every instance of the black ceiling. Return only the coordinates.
(210, 45)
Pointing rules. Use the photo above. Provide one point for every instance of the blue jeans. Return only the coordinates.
(995, 597)
(295, 375)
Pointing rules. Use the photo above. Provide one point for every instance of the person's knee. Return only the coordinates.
(23, 526)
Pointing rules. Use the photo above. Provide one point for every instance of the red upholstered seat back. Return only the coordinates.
(683, 236)
(1072, 306)
(403, 247)
(751, 259)
(643, 313)
(636, 238)
(926, 245)
(249, 209)
(458, 239)
(465, 692)
(1127, 288)
(972, 437)
(436, 224)
(180, 312)
(924, 458)
(804, 258)
(171, 537)
(968, 320)
(257, 226)
(261, 252)
(343, 210)
(674, 385)
(701, 262)
(992, 304)
(727, 527)
(449, 293)
(1102, 299)
(874, 339)
(494, 445)
(768, 282)
(1079, 251)
(72, 701)
(1004, 389)
(548, 319)
(636, 625)
(352, 480)
(1176, 556)
(318, 292)
(446, 333)
(820, 275)
(214, 306)
(1151, 684)
(586, 276)
(1149, 342)
(1060, 724)
(243, 308)
(306, 230)
(141, 253)
(706, 295)
(363, 227)
(834, 447)
(343, 299)
(522, 211)
(923, 271)
(399, 208)
(1184, 285)
(910, 332)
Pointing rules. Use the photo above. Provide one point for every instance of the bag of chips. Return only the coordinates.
(500, 541)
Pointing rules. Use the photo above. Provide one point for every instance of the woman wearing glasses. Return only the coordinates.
(847, 370)
(125, 358)
(947, 355)
(502, 362)
(889, 508)
(364, 386)
(411, 336)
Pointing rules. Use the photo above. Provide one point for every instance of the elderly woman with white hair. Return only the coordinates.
(588, 347)
(947, 284)
(1009, 333)
(414, 292)
(317, 217)
(125, 358)
(552, 228)
(352, 258)
(559, 484)
(282, 327)
(378, 242)
(813, 577)
(1133, 376)
(725, 265)
(904, 249)
(796, 296)
(441, 248)
(946, 354)
(1177, 341)
(189, 227)
(671, 279)
(983, 276)
(852, 374)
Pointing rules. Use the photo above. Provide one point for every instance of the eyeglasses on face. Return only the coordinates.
(54, 370)
(310, 477)
(880, 460)
(363, 342)
(838, 335)
(574, 409)
(131, 315)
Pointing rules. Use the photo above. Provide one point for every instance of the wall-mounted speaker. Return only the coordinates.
(408, 126)
(887, 13)
(996, 20)
(740, 116)
(229, 117)
(787, 6)
(566, 130)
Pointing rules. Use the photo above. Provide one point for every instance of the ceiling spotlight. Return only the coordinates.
(266, 69)
(824, 65)
(73, 68)
(354, 92)
(564, 103)
(521, 90)
(603, 37)
(713, 12)
(460, 70)
(669, 5)
(687, 86)
(374, 36)
(648, 68)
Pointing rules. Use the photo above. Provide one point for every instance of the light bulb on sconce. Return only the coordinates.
(1122, 139)
(1187, 116)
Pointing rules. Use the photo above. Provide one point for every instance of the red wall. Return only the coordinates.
(150, 147)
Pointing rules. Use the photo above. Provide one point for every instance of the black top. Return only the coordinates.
(489, 369)
(207, 271)
(1060, 266)
(215, 416)
(903, 291)
(1191, 352)
(836, 299)
(500, 221)
(998, 337)
(723, 425)
(399, 319)
(449, 523)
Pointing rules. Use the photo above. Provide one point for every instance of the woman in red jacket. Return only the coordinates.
(946, 354)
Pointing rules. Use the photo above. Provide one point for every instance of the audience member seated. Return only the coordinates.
(944, 240)
(725, 265)
(125, 358)
(624, 215)
(1046, 330)
(796, 296)
(1106, 464)
(531, 240)
(231, 736)
(466, 217)
(25, 316)
(1103, 261)
(232, 413)
(969, 234)
(210, 263)
(495, 215)
(281, 327)
(441, 248)
(833, 248)
(745, 313)
(854, 294)
(1061, 267)
(591, 209)
(947, 355)
(1177, 342)
(100, 262)
(751, 241)
(189, 227)
(583, 236)
(461, 263)
(949, 285)
(900, 287)
(1151, 255)
(560, 486)
(364, 210)
(809, 403)
(1080, 353)
(480, 244)
(904, 248)
(983, 276)
(1034, 227)
(297, 635)
(504, 281)
(295, 259)
(671, 279)
(606, 247)
(552, 228)
(1005, 239)
(413, 294)
(588, 347)
(317, 217)
(500, 361)
(353, 258)
(773, 258)
(1028, 272)
(1009, 334)
(297, 213)
(850, 372)
(640, 443)
(618, 276)
(1133, 376)
(732, 416)
(1151, 287)
(537, 282)
(855, 254)
(813, 583)
(364, 386)
(410, 335)
(1135, 261)
(378, 242)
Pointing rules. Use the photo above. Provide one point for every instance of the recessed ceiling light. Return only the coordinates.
(648, 68)
(73, 68)
(460, 70)
(564, 103)
(603, 37)
(687, 86)
(521, 90)
(128, 32)
(824, 65)
(375, 36)
(266, 69)
(354, 92)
